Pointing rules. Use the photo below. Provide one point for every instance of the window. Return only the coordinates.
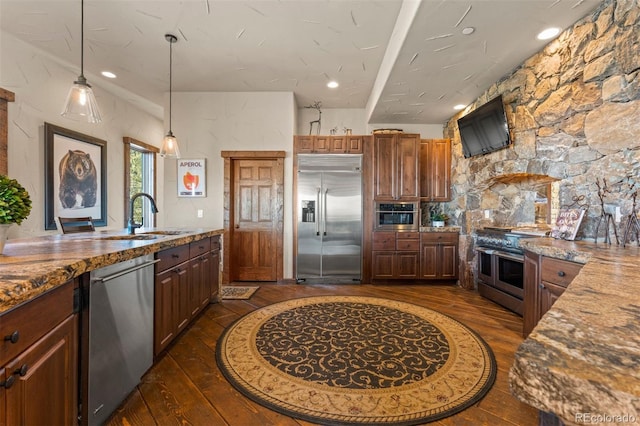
(139, 176)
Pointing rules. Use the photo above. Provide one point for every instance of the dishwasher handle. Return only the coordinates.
(126, 271)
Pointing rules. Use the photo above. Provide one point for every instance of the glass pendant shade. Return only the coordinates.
(170, 146)
(81, 103)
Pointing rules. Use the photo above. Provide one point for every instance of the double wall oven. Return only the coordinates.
(500, 272)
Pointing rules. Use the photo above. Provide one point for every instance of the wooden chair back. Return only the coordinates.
(70, 225)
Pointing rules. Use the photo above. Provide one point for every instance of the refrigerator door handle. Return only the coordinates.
(324, 213)
(319, 213)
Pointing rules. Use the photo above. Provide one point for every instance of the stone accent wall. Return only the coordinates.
(574, 114)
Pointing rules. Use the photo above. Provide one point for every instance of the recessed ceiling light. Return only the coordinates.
(468, 30)
(332, 84)
(459, 107)
(108, 74)
(548, 33)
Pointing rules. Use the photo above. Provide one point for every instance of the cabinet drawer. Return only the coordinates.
(215, 243)
(31, 321)
(408, 235)
(560, 272)
(439, 237)
(384, 240)
(172, 257)
(196, 248)
(407, 245)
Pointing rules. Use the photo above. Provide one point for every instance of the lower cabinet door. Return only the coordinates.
(383, 264)
(429, 261)
(408, 265)
(43, 389)
(214, 275)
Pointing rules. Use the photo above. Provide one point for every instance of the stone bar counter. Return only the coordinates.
(582, 360)
(32, 266)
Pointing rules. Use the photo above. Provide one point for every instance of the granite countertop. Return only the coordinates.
(439, 229)
(32, 266)
(583, 357)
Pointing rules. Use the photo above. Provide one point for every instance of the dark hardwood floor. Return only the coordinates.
(185, 386)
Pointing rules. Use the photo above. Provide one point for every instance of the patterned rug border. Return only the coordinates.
(488, 375)
(248, 291)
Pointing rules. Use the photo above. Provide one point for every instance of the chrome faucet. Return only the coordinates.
(132, 225)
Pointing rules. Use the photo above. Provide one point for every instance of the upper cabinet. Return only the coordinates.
(435, 169)
(396, 166)
(344, 144)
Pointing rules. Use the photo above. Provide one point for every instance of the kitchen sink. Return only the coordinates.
(130, 237)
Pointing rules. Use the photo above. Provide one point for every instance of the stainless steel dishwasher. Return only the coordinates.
(120, 339)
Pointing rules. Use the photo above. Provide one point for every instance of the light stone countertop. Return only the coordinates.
(583, 357)
(439, 229)
(32, 266)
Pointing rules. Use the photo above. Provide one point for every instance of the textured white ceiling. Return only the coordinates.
(411, 69)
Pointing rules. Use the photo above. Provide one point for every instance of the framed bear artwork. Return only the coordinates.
(75, 172)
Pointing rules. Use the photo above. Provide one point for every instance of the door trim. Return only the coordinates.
(229, 160)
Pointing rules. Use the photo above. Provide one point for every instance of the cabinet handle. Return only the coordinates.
(561, 273)
(13, 337)
(541, 286)
(175, 256)
(8, 383)
(22, 371)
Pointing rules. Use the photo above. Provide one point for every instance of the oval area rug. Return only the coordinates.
(355, 360)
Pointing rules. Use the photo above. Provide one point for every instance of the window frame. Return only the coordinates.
(129, 144)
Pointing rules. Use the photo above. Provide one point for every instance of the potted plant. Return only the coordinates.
(438, 219)
(15, 206)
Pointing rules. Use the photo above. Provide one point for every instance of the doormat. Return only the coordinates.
(353, 360)
(236, 292)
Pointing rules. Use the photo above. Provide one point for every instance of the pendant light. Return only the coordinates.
(170, 144)
(81, 103)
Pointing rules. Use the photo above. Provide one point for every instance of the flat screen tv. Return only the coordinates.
(485, 129)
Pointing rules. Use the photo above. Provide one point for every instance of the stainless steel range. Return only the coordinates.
(500, 273)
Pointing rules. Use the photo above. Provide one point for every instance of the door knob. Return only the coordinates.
(237, 226)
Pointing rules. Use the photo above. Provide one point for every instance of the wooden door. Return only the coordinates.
(165, 310)
(429, 261)
(449, 261)
(255, 223)
(44, 389)
(384, 167)
(407, 167)
(407, 264)
(531, 310)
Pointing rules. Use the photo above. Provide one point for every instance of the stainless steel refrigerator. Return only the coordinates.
(329, 194)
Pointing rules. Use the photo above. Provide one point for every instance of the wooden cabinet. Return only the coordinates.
(39, 360)
(187, 279)
(435, 169)
(172, 307)
(199, 286)
(545, 279)
(396, 167)
(395, 255)
(439, 255)
(214, 270)
(531, 309)
(344, 144)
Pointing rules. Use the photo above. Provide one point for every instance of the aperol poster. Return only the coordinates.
(191, 178)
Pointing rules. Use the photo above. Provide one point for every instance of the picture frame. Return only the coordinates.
(75, 176)
(567, 224)
(192, 177)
